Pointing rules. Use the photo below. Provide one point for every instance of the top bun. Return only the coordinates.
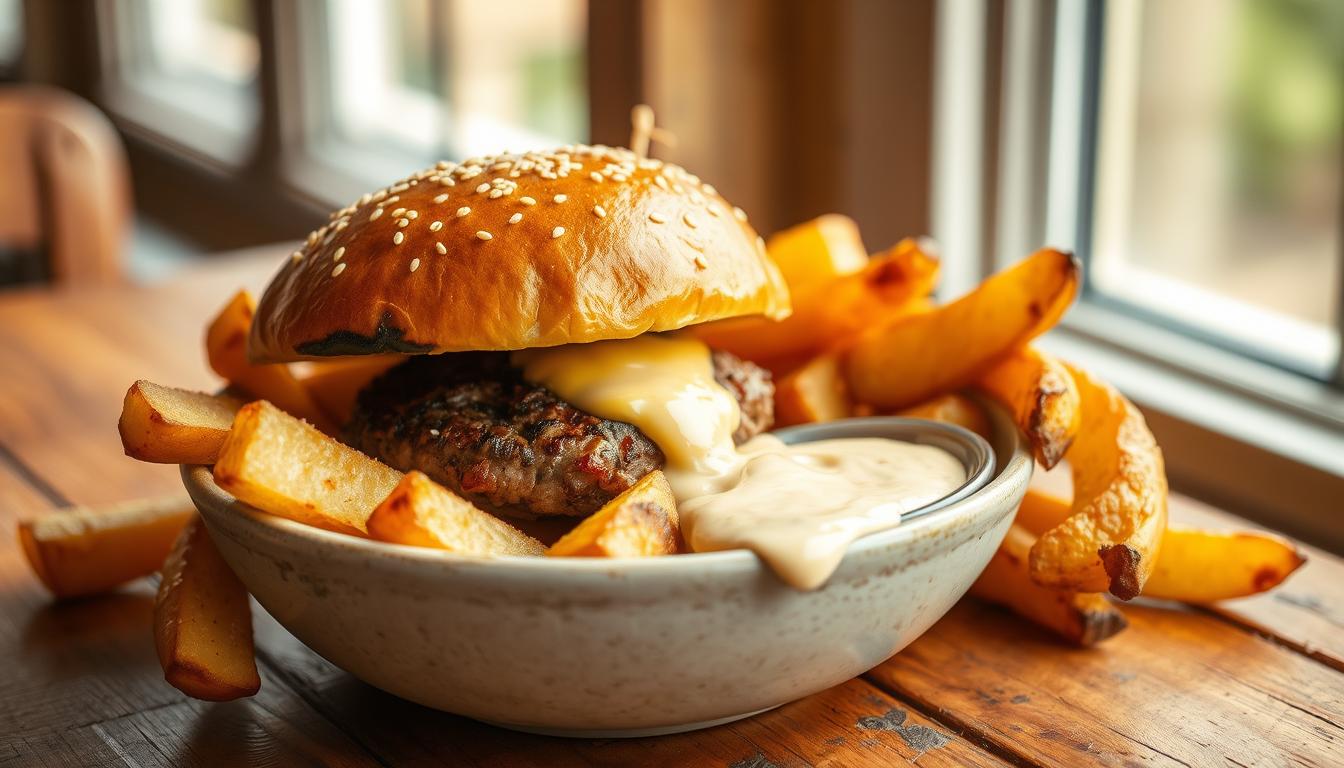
(518, 251)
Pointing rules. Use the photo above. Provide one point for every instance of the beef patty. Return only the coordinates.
(472, 423)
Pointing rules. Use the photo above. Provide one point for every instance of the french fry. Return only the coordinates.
(203, 622)
(814, 392)
(284, 466)
(226, 349)
(827, 314)
(641, 522)
(1198, 566)
(816, 251)
(1042, 397)
(1082, 618)
(952, 408)
(335, 385)
(1111, 540)
(1193, 565)
(914, 357)
(174, 426)
(80, 551)
(422, 513)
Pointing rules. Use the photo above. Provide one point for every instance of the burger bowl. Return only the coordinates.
(591, 647)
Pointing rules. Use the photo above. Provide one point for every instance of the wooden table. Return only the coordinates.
(1255, 682)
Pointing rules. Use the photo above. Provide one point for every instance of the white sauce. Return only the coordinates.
(797, 507)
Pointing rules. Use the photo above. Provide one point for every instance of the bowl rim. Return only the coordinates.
(211, 499)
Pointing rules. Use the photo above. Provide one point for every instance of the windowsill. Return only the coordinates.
(1253, 438)
(217, 130)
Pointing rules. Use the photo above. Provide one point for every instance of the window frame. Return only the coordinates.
(1211, 406)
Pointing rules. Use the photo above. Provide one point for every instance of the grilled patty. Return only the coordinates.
(472, 423)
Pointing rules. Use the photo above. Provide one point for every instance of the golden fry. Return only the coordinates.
(642, 522)
(813, 392)
(203, 622)
(174, 426)
(226, 348)
(952, 408)
(81, 551)
(816, 251)
(422, 513)
(1042, 397)
(1082, 618)
(1111, 540)
(286, 467)
(917, 356)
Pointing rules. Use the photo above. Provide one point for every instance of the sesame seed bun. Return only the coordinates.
(518, 251)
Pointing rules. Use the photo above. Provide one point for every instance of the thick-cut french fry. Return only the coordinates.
(642, 522)
(335, 385)
(1043, 399)
(284, 466)
(422, 513)
(1082, 618)
(828, 314)
(81, 551)
(953, 408)
(1111, 540)
(909, 360)
(818, 250)
(174, 426)
(226, 348)
(814, 392)
(1193, 566)
(203, 622)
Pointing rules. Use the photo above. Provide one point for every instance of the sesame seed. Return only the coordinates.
(441, 248)
(376, 213)
(483, 187)
(690, 220)
(527, 200)
(296, 256)
(560, 198)
(656, 218)
(412, 215)
(447, 181)
(660, 181)
(463, 211)
(739, 213)
(339, 269)
(712, 211)
(595, 176)
(700, 262)
(709, 189)
(515, 218)
(398, 212)
(558, 231)
(483, 235)
(434, 432)
(415, 264)
(435, 226)
(600, 211)
(398, 238)
(392, 199)
(340, 252)
(441, 198)
(402, 222)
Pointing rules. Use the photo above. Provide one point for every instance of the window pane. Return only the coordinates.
(1219, 168)
(457, 78)
(214, 40)
(11, 30)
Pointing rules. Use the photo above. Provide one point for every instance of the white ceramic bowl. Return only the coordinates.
(592, 647)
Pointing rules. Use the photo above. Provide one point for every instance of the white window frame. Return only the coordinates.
(1252, 436)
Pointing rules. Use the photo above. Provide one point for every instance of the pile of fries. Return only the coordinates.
(865, 337)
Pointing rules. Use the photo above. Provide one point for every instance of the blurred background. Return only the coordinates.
(1189, 152)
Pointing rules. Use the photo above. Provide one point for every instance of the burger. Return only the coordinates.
(540, 308)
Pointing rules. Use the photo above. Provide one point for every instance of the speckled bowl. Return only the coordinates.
(590, 647)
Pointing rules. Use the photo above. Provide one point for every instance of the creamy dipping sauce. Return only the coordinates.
(798, 507)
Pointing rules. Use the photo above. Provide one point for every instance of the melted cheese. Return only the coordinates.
(797, 507)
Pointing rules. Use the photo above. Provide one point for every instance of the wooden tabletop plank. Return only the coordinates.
(1179, 686)
(1305, 613)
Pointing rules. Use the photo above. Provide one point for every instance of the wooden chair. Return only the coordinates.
(65, 201)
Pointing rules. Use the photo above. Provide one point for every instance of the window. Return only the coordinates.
(1218, 172)
(186, 69)
(11, 31)
(412, 81)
